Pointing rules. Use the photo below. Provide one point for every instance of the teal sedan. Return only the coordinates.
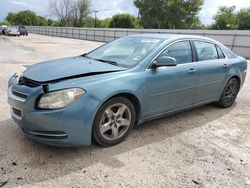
(100, 96)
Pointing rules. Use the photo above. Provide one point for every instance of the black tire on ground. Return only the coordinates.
(229, 93)
(108, 128)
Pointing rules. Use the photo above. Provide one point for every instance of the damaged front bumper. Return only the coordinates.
(70, 126)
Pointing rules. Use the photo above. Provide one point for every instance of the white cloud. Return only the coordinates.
(19, 3)
(210, 8)
(112, 7)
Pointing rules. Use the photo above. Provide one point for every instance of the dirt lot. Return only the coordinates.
(204, 147)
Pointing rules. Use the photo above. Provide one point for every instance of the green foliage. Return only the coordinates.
(5, 23)
(164, 14)
(29, 18)
(225, 18)
(54, 23)
(243, 19)
(26, 18)
(23, 18)
(90, 22)
(41, 21)
(124, 21)
(106, 23)
(11, 18)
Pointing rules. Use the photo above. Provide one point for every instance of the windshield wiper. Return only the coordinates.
(107, 61)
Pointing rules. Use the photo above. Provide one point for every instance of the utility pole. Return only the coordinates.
(95, 11)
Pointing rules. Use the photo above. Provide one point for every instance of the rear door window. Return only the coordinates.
(206, 51)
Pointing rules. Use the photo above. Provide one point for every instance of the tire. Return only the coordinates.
(114, 121)
(229, 93)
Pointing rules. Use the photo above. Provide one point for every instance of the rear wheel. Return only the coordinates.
(229, 93)
(114, 121)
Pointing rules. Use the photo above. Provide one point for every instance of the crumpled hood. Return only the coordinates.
(68, 68)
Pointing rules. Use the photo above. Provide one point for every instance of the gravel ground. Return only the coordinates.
(203, 147)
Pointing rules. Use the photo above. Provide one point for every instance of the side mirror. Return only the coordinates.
(164, 61)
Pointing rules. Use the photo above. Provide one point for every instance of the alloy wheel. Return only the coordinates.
(115, 121)
(231, 91)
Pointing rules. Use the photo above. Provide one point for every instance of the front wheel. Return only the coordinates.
(229, 93)
(114, 121)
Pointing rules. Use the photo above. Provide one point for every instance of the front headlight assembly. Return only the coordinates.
(59, 99)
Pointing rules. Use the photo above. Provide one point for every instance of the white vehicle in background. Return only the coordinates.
(12, 31)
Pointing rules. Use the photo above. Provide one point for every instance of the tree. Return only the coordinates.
(29, 18)
(90, 22)
(81, 12)
(168, 13)
(225, 18)
(123, 21)
(26, 17)
(63, 10)
(70, 12)
(106, 22)
(41, 21)
(11, 18)
(243, 19)
(5, 23)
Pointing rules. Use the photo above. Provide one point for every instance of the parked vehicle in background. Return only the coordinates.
(3, 29)
(23, 30)
(12, 31)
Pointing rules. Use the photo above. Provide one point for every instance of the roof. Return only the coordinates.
(169, 36)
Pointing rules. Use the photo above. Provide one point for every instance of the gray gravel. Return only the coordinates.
(204, 147)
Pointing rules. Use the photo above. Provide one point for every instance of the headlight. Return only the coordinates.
(60, 99)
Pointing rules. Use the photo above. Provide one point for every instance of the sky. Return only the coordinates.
(110, 7)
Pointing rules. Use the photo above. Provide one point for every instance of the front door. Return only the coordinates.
(172, 88)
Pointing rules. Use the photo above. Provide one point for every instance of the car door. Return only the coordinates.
(212, 68)
(172, 87)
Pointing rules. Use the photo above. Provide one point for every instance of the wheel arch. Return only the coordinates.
(229, 78)
(132, 98)
(236, 77)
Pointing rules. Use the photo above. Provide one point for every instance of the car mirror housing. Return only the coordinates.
(164, 61)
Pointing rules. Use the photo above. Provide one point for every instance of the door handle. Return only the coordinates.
(225, 66)
(191, 71)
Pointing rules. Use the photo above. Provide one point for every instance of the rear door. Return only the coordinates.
(212, 67)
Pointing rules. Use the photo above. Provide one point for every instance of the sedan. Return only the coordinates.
(12, 31)
(100, 96)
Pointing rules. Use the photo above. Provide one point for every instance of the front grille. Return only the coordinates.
(27, 82)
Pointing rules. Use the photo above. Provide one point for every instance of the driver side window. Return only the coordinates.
(181, 51)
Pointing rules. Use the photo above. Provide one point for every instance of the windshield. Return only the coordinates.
(125, 52)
